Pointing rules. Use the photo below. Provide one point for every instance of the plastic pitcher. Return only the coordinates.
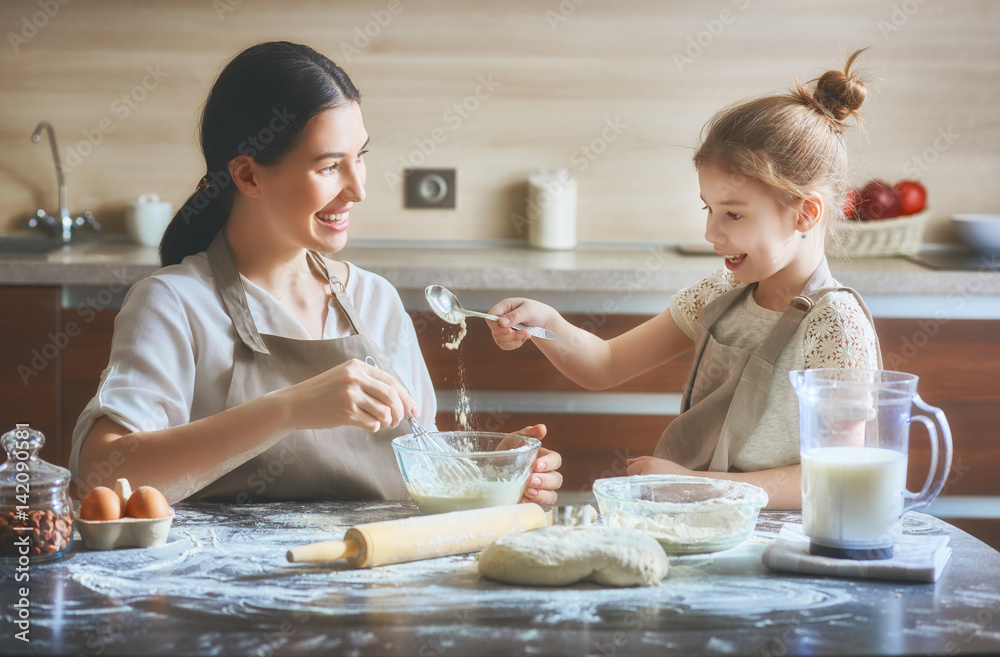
(855, 430)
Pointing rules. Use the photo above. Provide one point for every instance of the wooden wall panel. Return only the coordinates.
(616, 91)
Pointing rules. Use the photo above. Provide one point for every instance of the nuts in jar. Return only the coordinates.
(36, 515)
(40, 532)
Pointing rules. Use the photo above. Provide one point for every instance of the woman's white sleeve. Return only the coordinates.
(149, 382)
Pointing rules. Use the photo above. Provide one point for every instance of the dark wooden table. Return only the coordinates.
(222, 586)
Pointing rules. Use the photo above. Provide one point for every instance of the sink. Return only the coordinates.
(28, 245)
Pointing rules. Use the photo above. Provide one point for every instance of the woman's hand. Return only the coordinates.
(651, 465)
(544, 481)
(518, 311)
(352, 393)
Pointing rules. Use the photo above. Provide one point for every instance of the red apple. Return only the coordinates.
(913, 196)
(850, 203)
(879, 200)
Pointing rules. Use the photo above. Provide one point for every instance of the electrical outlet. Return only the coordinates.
(429, 188)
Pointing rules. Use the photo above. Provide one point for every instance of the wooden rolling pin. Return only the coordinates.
(423, 537)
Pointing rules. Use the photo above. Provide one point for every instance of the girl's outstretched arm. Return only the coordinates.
(782, 485)
(584, 358)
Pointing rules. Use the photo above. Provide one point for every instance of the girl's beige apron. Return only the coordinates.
(727, 391)
(345, 463)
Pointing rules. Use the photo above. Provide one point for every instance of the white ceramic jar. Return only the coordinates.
(147, 218)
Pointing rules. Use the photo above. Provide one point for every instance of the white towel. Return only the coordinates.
(915, 558)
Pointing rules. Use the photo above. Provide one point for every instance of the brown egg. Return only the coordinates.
(147, 502)
(101, 504)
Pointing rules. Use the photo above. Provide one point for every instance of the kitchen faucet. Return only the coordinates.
(63, 225)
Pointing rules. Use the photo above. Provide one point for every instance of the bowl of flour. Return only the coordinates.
(494, 471)
(687, 515)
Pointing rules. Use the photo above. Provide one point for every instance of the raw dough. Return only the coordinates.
(559, 555)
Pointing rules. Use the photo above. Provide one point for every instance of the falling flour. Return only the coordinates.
(464, 408)
(462, 331)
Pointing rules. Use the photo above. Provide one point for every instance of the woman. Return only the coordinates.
(250, 367)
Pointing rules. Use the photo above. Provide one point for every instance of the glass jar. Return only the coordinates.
(36, 514)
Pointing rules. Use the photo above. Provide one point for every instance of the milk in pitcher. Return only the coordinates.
(853, 495)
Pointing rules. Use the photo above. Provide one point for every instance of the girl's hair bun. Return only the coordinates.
(839, 94)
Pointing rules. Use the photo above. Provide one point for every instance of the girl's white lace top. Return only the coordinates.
(836, 333)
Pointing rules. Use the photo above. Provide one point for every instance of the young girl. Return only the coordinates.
(250, 367)
(773, 176)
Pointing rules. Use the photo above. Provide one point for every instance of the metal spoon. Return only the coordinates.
(446, 306)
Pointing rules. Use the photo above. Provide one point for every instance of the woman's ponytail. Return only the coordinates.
(198, 221)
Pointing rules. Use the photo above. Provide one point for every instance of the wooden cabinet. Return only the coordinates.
(30, 364)
(51, 363)
(53, 358)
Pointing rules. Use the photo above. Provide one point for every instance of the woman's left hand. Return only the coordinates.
(651, 465)
(544, 481)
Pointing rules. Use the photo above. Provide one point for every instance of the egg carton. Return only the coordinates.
(124, 532)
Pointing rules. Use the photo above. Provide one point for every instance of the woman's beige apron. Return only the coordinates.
(344, 463)
(727, 391)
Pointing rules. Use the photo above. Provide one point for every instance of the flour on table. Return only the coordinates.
(560, 555)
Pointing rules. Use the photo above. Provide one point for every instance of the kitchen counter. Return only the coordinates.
(492, 266)
(606, 278)
(222, 585)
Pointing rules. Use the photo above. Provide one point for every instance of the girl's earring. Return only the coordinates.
(803, 235)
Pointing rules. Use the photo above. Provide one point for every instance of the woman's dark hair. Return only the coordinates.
(259, 106)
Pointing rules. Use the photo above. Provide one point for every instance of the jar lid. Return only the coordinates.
(23, 466)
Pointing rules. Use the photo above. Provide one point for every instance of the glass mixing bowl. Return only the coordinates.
(687, 515)
(470, 469)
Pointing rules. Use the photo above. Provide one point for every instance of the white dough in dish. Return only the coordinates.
(561, 555)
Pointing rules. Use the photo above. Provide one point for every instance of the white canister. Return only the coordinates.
(552, 210)
(147, 218)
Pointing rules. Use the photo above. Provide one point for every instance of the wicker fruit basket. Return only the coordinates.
(884, 237)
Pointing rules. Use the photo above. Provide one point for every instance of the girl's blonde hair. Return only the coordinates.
(793, 142)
